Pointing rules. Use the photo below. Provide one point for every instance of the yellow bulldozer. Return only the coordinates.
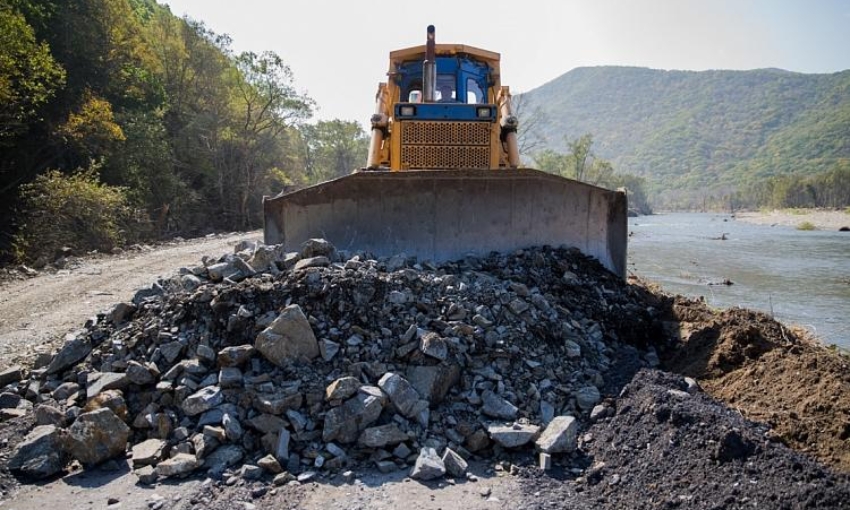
(443, 177)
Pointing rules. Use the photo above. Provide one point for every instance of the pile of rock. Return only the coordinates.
(265, 363)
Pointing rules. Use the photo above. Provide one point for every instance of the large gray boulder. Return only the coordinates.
(40, 454)
(433, 382)
(344, 423)
(202, 400)
(76, 348)
(288, 338)
(560, 435)
(181, 464)
(382, 436)
(97, 436)
(428, 465)
(402, 394)
(513, 436)
(497, 407)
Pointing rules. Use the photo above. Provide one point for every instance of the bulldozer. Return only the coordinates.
(443, 177)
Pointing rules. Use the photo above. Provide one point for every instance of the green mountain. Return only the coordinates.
(694, 134)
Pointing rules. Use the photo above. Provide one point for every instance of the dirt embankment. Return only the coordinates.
(768, 372)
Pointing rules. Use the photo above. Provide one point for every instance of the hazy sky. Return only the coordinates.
(338, 50)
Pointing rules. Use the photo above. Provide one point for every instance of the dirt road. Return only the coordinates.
(36, 312)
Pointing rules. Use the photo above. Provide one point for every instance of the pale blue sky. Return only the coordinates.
(338, 50)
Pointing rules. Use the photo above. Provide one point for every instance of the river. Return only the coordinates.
(799, 277)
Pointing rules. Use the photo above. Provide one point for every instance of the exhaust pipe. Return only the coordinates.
(429, 68)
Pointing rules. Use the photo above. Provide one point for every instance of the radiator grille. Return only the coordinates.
(445, 144)
(445, 133)
(445, 157)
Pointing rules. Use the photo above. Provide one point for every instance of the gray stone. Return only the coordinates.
(433, 345)
(220, 271)
(547, 412)
(139, 374)
(76, 348)
(65, 390)
(283, 478)
(40, 454)
(205, 353)
(171, 350)
(598, 412)
(497, 407)
(278, 403)
(386, 466)
(9, 400)
(317, 247)
(267, 423)
(148, 452)
(560, 435)
(251, 472)
(573, 350)
(97, 436)
(106, 381)
(282, 448)
(288, 338)
(513, 436)
(344, 423)
(382, 436)
(121, 312)
(264, 258)
(328, 349)
(342, 388)
(428, 465)
(270, 464)
(235, 356)
(454, 463)
(49, 415)
(402, 451)
(587, 397)
(404, 397)
(230, 377)
(146, 475)
(202, 400)
(305, 263)
(223, 458)
(433, 382)
(232, 427)
(10, 375)
(181, 464)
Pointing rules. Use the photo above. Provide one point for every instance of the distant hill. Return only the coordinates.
(691, 133)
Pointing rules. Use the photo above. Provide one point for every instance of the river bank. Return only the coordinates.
(822, 219)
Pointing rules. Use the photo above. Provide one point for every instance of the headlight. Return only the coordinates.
(407, 111)
(484, 112)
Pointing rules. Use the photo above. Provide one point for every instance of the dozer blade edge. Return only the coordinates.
(440, 215)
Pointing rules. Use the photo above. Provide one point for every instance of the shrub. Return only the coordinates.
(75, 211)
(806, 225)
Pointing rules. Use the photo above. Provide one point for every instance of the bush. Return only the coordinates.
(71, 211)
(806, 225)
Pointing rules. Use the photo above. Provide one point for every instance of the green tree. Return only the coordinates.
(29, 75)
(333, 148)
(76, 211)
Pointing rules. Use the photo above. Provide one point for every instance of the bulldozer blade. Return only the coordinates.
(443, 215)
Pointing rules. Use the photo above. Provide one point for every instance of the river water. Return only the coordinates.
(800, 277)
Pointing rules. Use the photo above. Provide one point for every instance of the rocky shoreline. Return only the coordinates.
(271, 368)
(821, 219)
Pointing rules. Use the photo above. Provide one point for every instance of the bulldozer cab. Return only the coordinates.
(443, 108)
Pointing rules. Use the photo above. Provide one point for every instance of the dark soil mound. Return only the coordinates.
(669, 448)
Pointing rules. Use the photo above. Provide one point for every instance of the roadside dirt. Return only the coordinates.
(656, 451)
(35, 313)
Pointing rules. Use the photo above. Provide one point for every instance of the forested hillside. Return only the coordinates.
(699, 137)
(120, 121)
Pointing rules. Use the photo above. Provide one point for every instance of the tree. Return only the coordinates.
(579, 156)
(29, 76)
(333, 149)
(531, 121)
